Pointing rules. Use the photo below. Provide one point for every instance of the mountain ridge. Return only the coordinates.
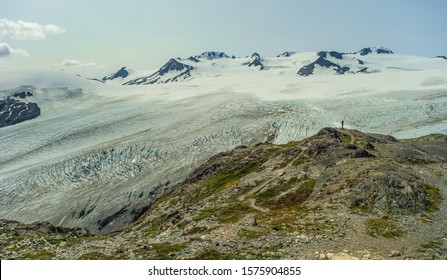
(179, 69)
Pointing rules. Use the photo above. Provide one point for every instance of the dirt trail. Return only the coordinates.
(353, 139)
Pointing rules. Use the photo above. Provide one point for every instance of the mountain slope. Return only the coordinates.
(341, 193)
(172, 71)
(122, 73)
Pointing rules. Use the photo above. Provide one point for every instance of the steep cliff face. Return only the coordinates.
(341, 193)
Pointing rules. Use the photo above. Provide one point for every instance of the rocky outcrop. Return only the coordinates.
(13, 110)
(211, 55)
(255, 61)
(375, 50)
(342, 63)
(285, 54)
(336, 61)
(40, 228)
(324, 62)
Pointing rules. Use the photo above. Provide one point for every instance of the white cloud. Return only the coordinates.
(22, 30)
(77, 63)
(6, 50)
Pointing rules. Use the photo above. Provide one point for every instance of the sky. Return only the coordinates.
(98, 37)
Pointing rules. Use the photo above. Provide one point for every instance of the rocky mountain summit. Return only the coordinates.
(340, 194)
(255, 61)
(211, 55)
(121, 73)
(375, 50)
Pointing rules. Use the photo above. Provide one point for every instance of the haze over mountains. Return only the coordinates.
(98, 149)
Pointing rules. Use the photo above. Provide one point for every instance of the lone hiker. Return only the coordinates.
(342, 123)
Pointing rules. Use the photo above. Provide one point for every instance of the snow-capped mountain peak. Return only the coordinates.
(285, 54)
(122, 73)
(375, 50)
(255, 60)
(172, 71)
(211, 55)
(340, 63)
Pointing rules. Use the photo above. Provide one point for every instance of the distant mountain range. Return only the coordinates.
(303, 64)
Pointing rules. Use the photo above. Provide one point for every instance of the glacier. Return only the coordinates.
(97, 152)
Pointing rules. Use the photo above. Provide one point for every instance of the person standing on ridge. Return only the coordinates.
(342, 123)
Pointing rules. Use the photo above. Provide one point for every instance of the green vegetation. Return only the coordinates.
(300, 160)
(232, 173)
(222, 180)
(432, 244)
(76, 240)
(290, 144)
(275, 198)
(273, 247)
(202, 216)
(195, 230)
(383, 227)
(424, 218)
(295, 197)
(55, 242)
(166, 250)
(346, 139)
(40, 255)
(153, 230)
(293, 220)
(434, 198)
(233, 212)
(281, 166)
(421, 162)
(15, 238)
(263, 195)
(253, 233)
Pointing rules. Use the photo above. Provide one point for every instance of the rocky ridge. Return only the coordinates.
(338, 62)
(341, 194)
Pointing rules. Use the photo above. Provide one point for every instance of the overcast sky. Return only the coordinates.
(103, 35)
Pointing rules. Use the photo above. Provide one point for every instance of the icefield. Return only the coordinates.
(98, 150)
